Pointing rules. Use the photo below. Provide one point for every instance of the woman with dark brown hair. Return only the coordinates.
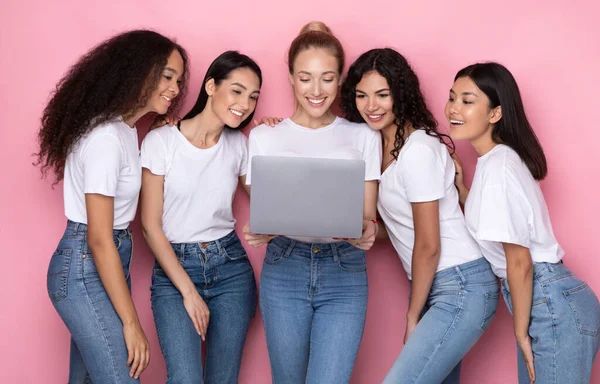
(89, 139)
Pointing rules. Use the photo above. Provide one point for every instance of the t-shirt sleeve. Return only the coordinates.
(154, 154)
(102, 159)
(422, 174)
(503, 216)
(253, 150)
(244, 159)
(372, 157)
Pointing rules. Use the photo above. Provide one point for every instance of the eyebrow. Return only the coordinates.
(244, 87)
(170, 70)
(464, 93)
(376, 92)
(310, 74)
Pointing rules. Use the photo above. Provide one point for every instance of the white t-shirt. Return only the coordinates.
(424, 172)
(105, 161)
(339, 140)
(506, 205)
(199, 184)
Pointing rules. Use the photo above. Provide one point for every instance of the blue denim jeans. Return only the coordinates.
(564, 326)
(98, 351)
(461, 305)
(225, 280)
(313, 299)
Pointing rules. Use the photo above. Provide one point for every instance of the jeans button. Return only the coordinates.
(83, 256)
(315, 249)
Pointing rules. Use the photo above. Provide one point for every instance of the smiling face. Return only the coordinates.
(315, 81)
(235, 97)
(374, 101)
(168, 85)
(469, 113)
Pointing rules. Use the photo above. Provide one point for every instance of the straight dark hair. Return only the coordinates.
(513, 129)
(219, 70)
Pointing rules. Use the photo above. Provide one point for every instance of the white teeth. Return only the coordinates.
(374, 117)
(165, 97)
(316, 101)
(457, 122)
(237, 113)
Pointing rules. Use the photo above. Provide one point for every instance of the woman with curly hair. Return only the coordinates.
(454, 292)
(202, 272)
(88, 138)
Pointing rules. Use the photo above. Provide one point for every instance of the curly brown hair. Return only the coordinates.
(117, 77)
(409, 102)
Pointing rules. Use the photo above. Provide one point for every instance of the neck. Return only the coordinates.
(388, 133)
(484, 143)
(205, 127)
(130, 119)
(301, 117)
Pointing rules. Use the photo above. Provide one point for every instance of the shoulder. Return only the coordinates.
(502, 164)
(162, 135)
(359, 129)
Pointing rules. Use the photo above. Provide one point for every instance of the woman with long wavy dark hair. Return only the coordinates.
(556, 316)
(203, 287)
(454, 292)
(88, 139)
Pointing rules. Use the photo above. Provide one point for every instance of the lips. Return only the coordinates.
(236, 113)
(166, 99)
(375, 117)
(316, 102)
(456, 122)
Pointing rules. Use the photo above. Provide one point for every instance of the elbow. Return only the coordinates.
(520, 266)
(430, 252)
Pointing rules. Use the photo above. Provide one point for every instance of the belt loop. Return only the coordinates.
(219, 246)
(290, 247)
(463, 279)
(550, 267)
(334, 251)
(76, 227)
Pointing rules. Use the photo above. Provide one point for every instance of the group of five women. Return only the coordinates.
(313, 292)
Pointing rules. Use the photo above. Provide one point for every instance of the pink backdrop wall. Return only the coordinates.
(553, 50)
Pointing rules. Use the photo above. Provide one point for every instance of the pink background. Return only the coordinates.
(553, 50)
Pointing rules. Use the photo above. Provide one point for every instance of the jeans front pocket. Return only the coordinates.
(585, 307)
(490, 306)
(235, 251)
(274, 253)
(58, 274)
(353, 261)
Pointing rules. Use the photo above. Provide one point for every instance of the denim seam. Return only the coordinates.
(102, 328)
(457, 315)
(554, 336)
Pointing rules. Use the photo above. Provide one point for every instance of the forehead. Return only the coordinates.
(315, 61)
(373, 79)
(245, 77)
(175, 61)
(465, 84)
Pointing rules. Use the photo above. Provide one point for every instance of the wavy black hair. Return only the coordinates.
(513, 128)
(219, 70)
(409, 103)
(117, 77)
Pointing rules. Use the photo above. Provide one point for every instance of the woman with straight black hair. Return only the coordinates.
(556, 316)
(89, 139)
(190, 175)
(454, 292)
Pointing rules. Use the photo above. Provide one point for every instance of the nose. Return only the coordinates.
(174, 89)
(316, 89)
(372, 104)
(452, 109)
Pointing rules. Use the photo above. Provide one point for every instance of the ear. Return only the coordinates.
(210, 86)
(291, 77)
(340, 80)
(496, 115)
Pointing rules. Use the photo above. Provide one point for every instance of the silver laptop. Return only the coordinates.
(298, 196)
